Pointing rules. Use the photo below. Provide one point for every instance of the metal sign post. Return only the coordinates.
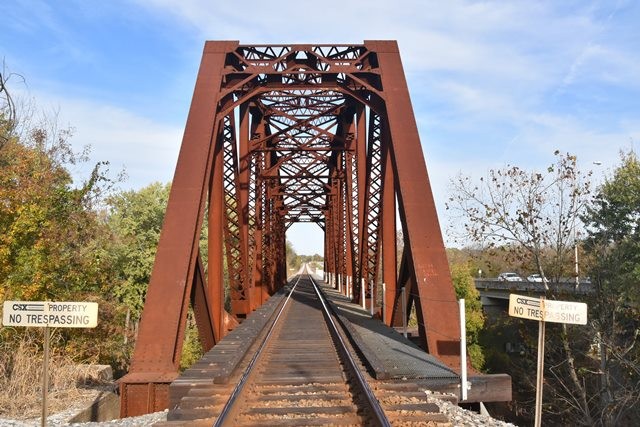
(543, 311)
(47, 314)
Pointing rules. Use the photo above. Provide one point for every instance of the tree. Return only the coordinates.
(465, 288)
(135, 219)
(530, 215)
(53, 242)
(47, 225)
(291, 254)
(614, 241)
(482, 263)
(533, 217)
(7, 109)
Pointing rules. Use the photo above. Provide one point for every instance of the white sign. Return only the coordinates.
(551, 311)
(50, 313)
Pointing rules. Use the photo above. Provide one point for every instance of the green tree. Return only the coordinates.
(465, 288)
(135, 219)
(293, 260)
(614, 242)
(485, 263)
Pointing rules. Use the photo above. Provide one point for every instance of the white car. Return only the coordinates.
(510, 277)
(536, 278)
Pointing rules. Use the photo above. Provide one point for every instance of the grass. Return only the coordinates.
(21, 376)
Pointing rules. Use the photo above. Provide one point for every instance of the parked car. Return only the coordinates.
(510, 277)
(536, 278)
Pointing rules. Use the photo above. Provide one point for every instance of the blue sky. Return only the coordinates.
(491, 82)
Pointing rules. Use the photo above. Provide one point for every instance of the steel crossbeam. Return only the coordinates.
(279, 134)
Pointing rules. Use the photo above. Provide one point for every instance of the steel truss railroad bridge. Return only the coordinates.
(279, 134)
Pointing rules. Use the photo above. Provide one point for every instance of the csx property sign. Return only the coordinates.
(547, 310)
(50, 313)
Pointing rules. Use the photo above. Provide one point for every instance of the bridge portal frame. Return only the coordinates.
(233, 172)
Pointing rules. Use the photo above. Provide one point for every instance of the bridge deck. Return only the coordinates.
(389, 354)
(392, 356)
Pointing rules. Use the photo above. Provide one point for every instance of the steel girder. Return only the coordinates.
(279, 134)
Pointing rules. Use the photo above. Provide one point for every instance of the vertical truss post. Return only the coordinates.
(280, 248)
(260, 190)
(271, 217)
(269, 239)
(326, 250)
(333, 227)
(282, 259)
(339, 162)
(349, 218)
(338, 236)
(338, 221)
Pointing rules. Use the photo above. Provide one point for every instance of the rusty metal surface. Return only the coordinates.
(325, 134)
(433, 293)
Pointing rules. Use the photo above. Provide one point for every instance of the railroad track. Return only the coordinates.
(305, 372)
(302, 373)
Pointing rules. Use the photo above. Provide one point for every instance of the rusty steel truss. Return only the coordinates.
(279, 134)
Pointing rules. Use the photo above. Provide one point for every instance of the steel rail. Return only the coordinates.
(379, 415)
(245, 375)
